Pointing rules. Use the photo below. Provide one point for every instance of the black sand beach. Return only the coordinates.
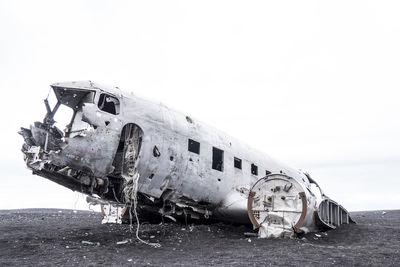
(64, 237)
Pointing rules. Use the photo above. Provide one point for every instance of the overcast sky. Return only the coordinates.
(312, 83)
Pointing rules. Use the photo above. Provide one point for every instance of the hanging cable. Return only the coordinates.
(135, 183)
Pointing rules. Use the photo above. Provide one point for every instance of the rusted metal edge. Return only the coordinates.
(250, 210)
(299, 223)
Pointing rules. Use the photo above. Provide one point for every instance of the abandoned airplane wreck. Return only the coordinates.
(119, 148)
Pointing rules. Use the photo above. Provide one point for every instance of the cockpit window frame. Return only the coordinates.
(116, 103)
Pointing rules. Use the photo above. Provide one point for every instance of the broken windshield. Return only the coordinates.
(67, 109)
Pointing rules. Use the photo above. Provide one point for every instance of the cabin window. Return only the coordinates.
(237, 163)
(267, 172)
(218, 159)
(109, 104)
(254, 169)
(194, 146)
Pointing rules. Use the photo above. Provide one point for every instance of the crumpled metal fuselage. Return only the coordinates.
(80, 157)
(186, 168)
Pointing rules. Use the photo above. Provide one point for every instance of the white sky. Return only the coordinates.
(312, 83)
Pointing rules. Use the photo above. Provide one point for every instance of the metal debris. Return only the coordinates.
(123, 242)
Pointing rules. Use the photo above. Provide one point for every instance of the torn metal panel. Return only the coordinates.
(184, 167)
(279, 205)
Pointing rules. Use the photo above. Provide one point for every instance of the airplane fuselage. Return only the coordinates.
(184, 165)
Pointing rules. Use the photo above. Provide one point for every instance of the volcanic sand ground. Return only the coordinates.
(64, 237)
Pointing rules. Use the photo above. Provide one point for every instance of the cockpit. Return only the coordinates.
(67, 112)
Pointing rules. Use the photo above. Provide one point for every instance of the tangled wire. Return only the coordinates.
(131, 189)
